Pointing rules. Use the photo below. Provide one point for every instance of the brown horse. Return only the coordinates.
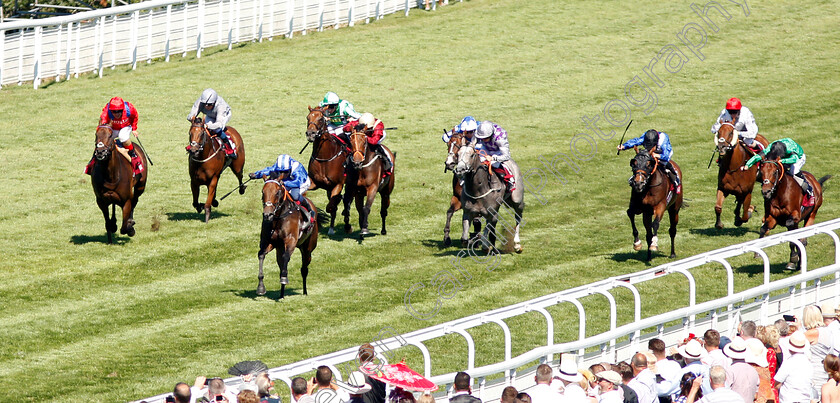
(731, 179)
(783, 202)
(326, 165)
(651, 196)
(366, 179)
(281, 230)
(207, 161)
(114, 182)
(456, 141)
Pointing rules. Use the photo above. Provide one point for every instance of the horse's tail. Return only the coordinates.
(824, 179)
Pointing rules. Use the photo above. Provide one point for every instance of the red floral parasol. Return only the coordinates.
(400, 375)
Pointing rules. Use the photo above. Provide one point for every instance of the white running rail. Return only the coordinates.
(64, 47)
(763, 303)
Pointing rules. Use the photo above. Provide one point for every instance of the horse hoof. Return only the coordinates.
(130, 231)
(637, 246)
(719, 225)
(331, 231)
(790, 266)
(198, 207)
(111, 227)
(365, 231)
(383, 232)
(242, 189)
(123, 231)
(261, 290)
(447, 242)
(348, 228)
(464, 243)
(215, 203)
(653, 248)
(738, 223)
(284, 280)
(673, 256)
(517, 248)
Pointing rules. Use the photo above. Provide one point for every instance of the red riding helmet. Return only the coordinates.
(117, 104)
(733, 104)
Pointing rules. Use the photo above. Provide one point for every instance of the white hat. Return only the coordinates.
(828, 310)
(756, 353)
(367, 119)
(736, 349)
(568, 371)
(692, 350)
(356, 384)
(611, 377)
(798, 342)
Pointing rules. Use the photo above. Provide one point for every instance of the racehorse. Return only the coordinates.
(483, 194)
(326, 165)
(281, 230)
(652, 194)
(731, 179)
(207, 161)
(365, 178)
(783, 202)
(456, 141)
(114, 183)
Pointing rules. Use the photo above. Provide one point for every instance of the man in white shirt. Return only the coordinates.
(719, 394)
(715, 356)
(644, 381)
(692, 352)
(741, 377)
(608, 382)
(543, 393)
(744, 122)
(829, 313)
(793, 378)
(667, 369)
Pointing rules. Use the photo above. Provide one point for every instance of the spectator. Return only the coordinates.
(215, 387)
(820, 338)
(182, 393)
(593, 383)
(264, 387)
(720, 393)
(685, 388)
(830, 392)
(741, 377)
(426, 398)
(692, 352)
(715, 356)
(587, 382)
(570, 378)
(463, 391)
(357, 387)
(326, 389)
(302, 390)
(793, 379)
(508, 395)
(366, 356)
(667, 369)
(784, 327)
(523, 398)
(747, 330)
(247, 396)
(626, 373)
(608, 383)
(757, 358)
(429, 2)
(402, 396)
(543, 393)
(829, 313)
(643, 381)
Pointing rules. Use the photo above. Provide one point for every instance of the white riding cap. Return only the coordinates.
(367, 119)
(330, 98)
(468, 124)
(485, 129)
(209, 96)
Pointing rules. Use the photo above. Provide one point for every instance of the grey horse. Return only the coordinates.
(483, 194)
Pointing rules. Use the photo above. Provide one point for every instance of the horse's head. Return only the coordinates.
(358, 146)
(104, 142)
(198, 136)
(274, 197)
(316, 124)
(723, 137)
(772, 172)
(455, 143)
(642, 165)
(468, 160)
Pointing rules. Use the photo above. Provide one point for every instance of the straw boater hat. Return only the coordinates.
(692, 350)
(611, 377)
(737, 349)
(828, 310)
(757, 353)
(798, 342)
(568, 371)
(356, 384)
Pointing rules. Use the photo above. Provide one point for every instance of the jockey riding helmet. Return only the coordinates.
(468, 124)
(116, 104)
(367, 119)
(733, 104)
(330, 99)
(485, 129)
(209, 96)
(651, 139)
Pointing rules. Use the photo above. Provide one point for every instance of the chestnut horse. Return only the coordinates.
(326, 165)
(456, 141)
(365, 179)
(207, 161)
(114, 183)
(652, 194)
(281, 230)
(731, 179)
(783, 202)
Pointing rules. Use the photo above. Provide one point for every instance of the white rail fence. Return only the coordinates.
(64, 47)
(763, 304)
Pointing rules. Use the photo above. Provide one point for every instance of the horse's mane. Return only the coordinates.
(197, 120)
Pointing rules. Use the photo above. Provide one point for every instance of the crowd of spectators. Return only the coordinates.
(792, 360)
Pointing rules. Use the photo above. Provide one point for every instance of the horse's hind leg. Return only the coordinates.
(719, 208)
(306, 258)
(261, 286)
(383, 211)
(650, 233)
(454, 205)
(747, 210)
(128, 222)
(348, 195)
(332, 206)
(517, 246)
(283, 256)
(795, 254)
(363, 210)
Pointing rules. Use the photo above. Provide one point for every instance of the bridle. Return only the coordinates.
(363, 151)
(779, 172)
(455, 143)
(103, 150)
(196, 147)
(723, 149)
(281, 199)
(644, 173)
(320, 130)
(472, 167)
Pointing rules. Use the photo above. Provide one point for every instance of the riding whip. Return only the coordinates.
(622, 136)
(304, 148)
(144, 150)
(710, 159)
(228, 193)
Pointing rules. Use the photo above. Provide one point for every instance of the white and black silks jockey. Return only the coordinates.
(217, 114)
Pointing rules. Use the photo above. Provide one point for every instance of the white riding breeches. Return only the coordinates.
(124, 135)
(333, 129)
(797, 166)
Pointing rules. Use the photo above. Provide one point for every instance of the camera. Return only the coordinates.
(220, 398)
(789, 318)
(170, 399)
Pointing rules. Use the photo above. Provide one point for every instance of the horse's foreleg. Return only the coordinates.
(748, 209)
(674, 218)
(348, 196)
(647, 219)
(517, 246)
(237, 170)
(383, 210)
(110, 221)
(719, 208)
(769, 224)
(360, 208)
(211, 198)
(454, 205)
(127, 222)
(465, 231)
(795, 255)
(332, 206)
(283, 263)
(306, 258)
(637, 243)
(261, 286)
(196, 189)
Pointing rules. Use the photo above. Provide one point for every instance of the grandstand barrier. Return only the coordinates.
(762, 303)
(91, 41)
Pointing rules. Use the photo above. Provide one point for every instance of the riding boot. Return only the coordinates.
(229, 146)
(307, 216)
(89, 167)
(808, 200)
(388, 166)
(136, 162)
(672, 173)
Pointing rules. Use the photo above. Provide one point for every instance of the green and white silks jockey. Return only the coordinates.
(791, 155)
(339, 112)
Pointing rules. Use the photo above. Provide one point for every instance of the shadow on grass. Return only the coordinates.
(193, 216)
(758, 269)
(269, 294)
(103, 238)
(640, 256)
(727, 231)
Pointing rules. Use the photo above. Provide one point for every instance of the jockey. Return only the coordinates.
(492, 139)
(659, 145)
(294, 178)
(467, 126)
(792, 157)
(374, 131)
(744, 122)
(122, 117)
(339, 111)
(217, 114)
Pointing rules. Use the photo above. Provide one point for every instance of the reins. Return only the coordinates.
(332, 138)
(204, 136)
(488, 164)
